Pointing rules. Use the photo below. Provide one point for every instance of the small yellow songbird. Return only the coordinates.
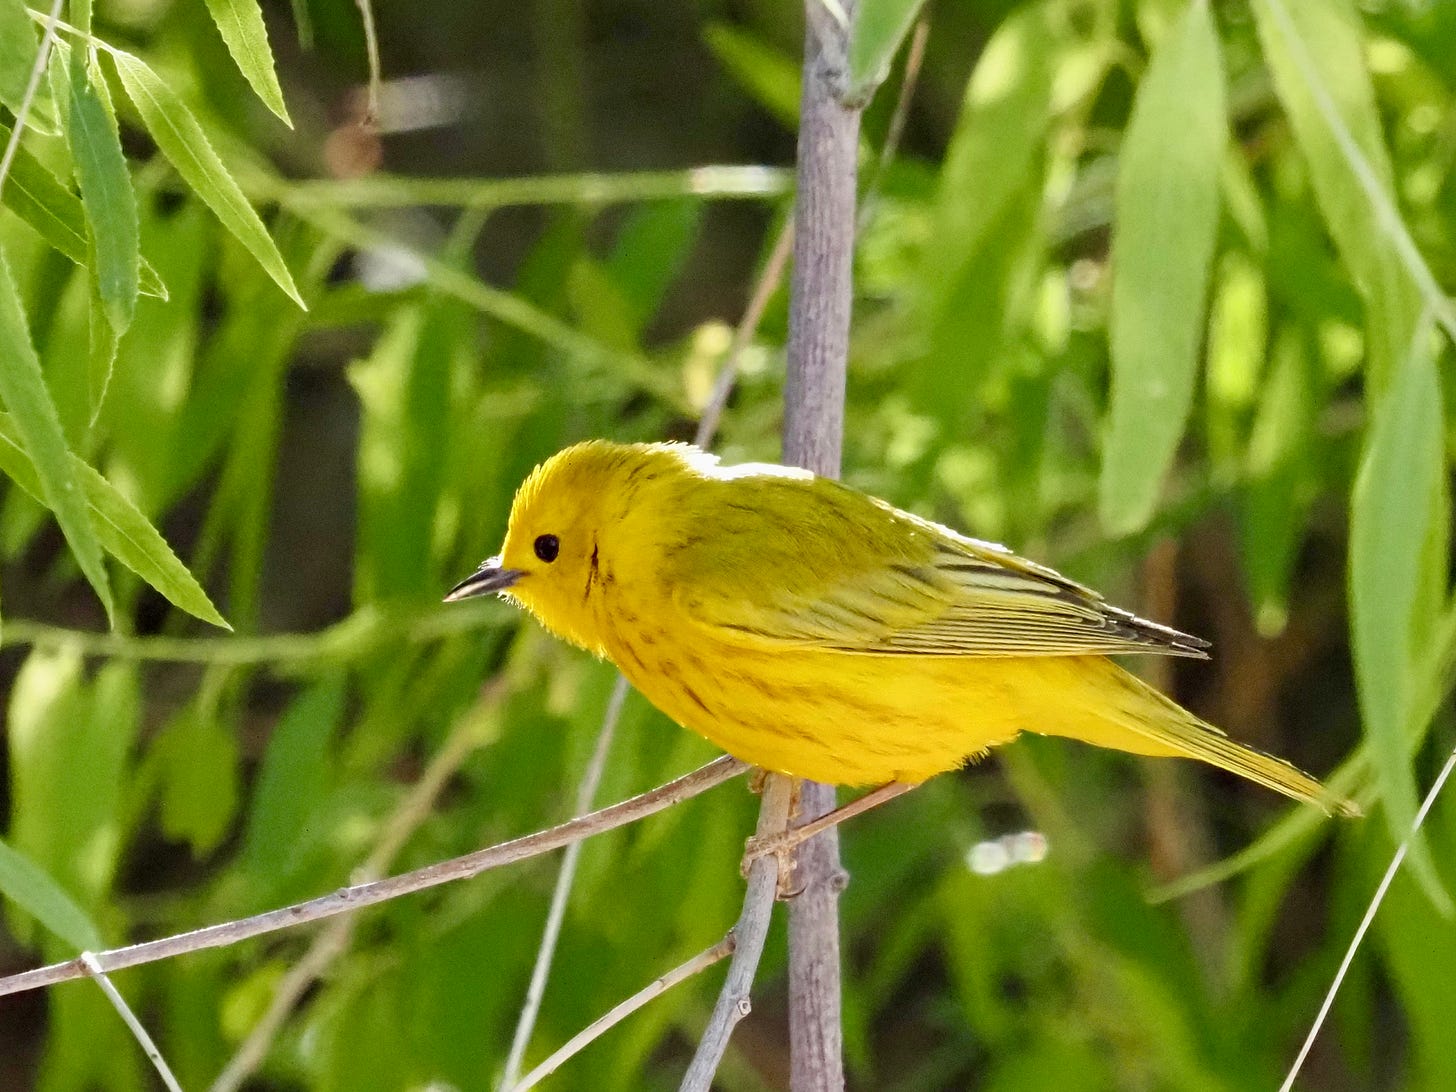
(815, 631)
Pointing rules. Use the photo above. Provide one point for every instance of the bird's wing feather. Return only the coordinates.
(855, 575)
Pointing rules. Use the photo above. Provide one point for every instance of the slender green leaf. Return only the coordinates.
(24, 392)
(200, 784)
(103, 341)
(769, 76)
(182, 140)
(293, 779)
(27, 885)
(18, 46)
(120, 527)
(879, 28)
(1167, 220)
(1316, 56)
(240, 22)
(107, 198)
(1390, 515)
(997, 153)
(69, 740)
(55, 213)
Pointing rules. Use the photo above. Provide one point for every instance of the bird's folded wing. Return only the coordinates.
(944, 594)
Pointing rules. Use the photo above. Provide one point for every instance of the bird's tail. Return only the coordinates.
(1131, 716)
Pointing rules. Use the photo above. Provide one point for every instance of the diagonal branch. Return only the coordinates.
(348, 899)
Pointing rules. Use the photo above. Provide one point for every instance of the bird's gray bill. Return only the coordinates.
(492, 576)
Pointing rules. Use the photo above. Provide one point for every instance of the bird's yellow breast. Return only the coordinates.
(850, 720)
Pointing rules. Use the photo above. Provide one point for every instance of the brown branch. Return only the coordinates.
(348, 899)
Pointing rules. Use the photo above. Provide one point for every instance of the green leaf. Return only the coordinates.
(769, 76)
(107, 198)
(1317, 58)
(120, 527)
(200, 785)
(1390, 514)
(241, 24)
(293, 778)
(55, 213)
(29, 886)
(1167, 220)
(18, 46)
(999, 144)
(182, 140)
(69, 742)
(879, 28)
(23, 391)
(103, 341)
(1277, 488)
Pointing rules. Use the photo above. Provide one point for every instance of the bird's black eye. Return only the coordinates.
(547, 547)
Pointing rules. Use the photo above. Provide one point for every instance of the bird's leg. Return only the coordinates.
(782, 845)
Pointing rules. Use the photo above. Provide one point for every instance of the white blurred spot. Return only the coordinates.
(997, 855)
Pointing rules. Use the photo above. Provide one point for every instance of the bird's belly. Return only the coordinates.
(837, 717)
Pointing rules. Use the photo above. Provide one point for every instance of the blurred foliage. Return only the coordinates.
(1150, 292)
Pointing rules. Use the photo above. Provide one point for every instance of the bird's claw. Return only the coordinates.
(779, 846)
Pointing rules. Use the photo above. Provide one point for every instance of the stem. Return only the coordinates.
(586, 793)
(751, 931)
(819, 311)
(600, 1026)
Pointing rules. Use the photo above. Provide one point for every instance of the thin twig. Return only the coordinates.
(802, 832)
(348, 899)
(149, 1048)
(1379, 897)
(366, 628)
(586, 794)
(37, 70)
(371, 50)
(768, 283)
(597, 1028)
(752, 929)
(334, 938)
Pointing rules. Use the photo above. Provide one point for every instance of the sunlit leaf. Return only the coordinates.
(107, 198)
(182, 141)
(879, 28)
(18, 46)
(120, 527)
(24, 393)
(1167, 220)
(69, 741)
(240, 22)
(55, 213)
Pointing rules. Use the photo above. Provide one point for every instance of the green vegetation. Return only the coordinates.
(1151, 291)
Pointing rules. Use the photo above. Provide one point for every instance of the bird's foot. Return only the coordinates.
(779, 846)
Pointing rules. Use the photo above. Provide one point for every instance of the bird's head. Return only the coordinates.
(567, 526)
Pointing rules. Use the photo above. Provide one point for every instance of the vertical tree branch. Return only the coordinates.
(820, 295)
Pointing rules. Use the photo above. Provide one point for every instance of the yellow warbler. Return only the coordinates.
(815, 631)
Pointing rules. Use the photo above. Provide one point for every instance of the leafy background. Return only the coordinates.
(1150, 292)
